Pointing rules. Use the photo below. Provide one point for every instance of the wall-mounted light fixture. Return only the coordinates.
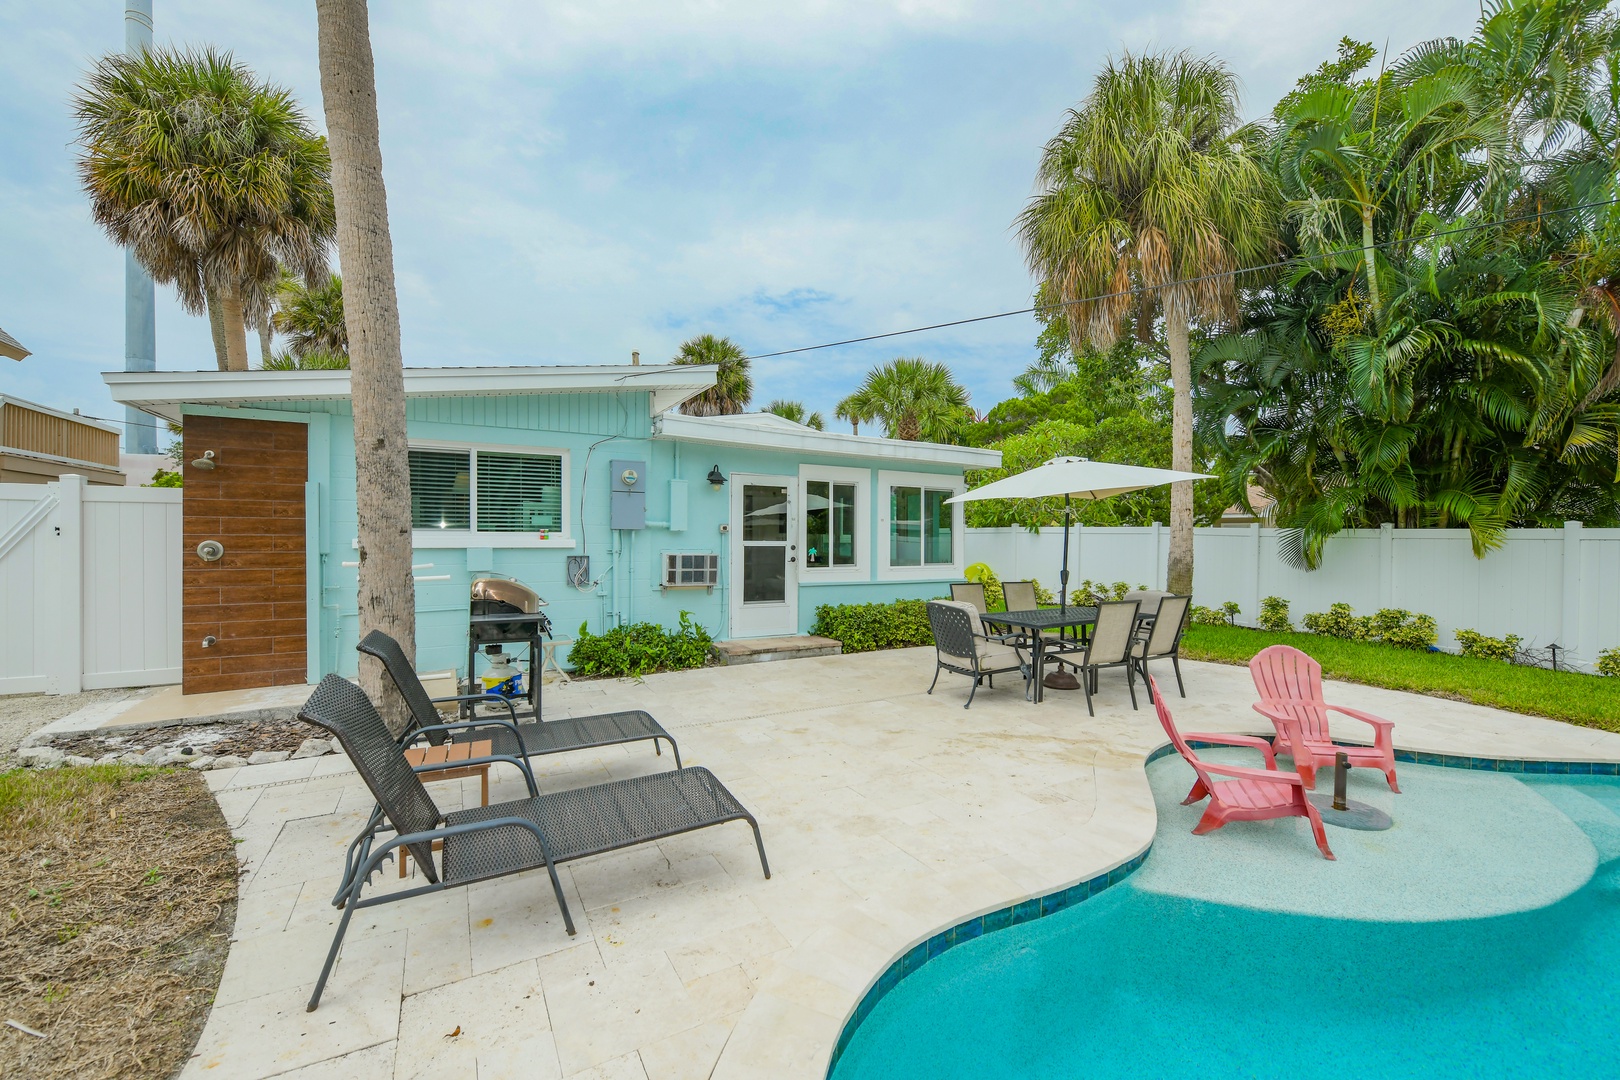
(205, 462)
(716, 479)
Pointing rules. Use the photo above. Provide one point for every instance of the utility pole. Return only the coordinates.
(140, 320)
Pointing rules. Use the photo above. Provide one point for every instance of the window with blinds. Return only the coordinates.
(486, 491)
(519, 492)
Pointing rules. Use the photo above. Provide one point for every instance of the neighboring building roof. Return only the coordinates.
(161, 393)
(10, 346)
(767, 431)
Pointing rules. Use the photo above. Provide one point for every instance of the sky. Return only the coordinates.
(568, 182)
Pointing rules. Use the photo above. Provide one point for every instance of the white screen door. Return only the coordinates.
(764, 557)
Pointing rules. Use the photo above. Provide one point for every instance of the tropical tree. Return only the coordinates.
(733, 387)
(311, 360)
(795, 411)
(1150, 199)
(915, 399)
(212, 178)
(311, 317)
(387, 596)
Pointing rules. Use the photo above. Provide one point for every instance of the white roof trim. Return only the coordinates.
(765, 431)
(162, 393)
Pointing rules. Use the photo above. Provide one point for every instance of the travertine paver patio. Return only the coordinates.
(887, 814)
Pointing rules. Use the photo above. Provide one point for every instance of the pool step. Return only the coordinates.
(1595, 819)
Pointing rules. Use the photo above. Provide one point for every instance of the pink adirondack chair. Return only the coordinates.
(1247, 794)
(1290, 686)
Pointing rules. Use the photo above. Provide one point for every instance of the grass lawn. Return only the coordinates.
(1587, 700)
(118, 885)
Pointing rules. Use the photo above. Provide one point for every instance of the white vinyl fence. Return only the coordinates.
(1549, 586)
(89, 587)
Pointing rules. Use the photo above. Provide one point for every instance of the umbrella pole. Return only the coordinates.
(1063, 578)
(1060, 679)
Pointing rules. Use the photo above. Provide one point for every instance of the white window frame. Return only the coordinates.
(927, 571)
(833, 474)
(464, 538)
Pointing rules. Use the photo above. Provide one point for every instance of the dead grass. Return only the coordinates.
(118, 886)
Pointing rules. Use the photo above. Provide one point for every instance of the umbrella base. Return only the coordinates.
(1060, 680)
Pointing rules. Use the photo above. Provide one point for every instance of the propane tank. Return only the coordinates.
(502, 678)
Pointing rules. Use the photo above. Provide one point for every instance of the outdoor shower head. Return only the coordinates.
(205, 462)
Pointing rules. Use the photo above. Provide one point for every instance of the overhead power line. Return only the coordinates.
(1279, 264)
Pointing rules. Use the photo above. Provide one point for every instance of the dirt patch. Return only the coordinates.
(216, 740)
(119, 891)
(23, 714)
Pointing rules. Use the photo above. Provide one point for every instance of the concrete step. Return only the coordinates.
(761, 650)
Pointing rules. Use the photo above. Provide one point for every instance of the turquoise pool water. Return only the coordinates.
(1146, 981)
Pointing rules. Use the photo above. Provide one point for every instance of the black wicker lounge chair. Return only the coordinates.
(487, 842)
(528, 740)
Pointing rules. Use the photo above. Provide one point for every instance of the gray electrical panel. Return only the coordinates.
(627, 506)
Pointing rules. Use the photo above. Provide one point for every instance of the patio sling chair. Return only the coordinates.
(1290, 686)
(1162, 639)
(1245, 793)
(1020, 596)
(962, 648)
(510, 738)
(1148, 598)
(1109, 645)
(486, 842)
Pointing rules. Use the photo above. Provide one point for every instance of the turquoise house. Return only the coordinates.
(584, 483)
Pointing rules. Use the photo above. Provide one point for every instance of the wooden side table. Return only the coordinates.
(448, 754)
(549, 662)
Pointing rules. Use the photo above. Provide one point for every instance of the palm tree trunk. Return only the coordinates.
(216, 326)
(230, 311)
(371, 314)
(1368, 252)
(264, 341)
(1179, 573)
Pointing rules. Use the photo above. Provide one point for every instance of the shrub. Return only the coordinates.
(640, 649)
(165, 478)
(1608, 662)
(1274, 615)
(865, 627)
(1488, 648)
(1231, 609)
(1421, 633)
(1091, 593)
(1205, 616)
(985, 576)
(1043, 595)
(1338, 621)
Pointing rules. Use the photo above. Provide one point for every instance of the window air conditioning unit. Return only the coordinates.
(683, 571)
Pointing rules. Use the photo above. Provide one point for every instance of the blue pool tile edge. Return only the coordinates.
(1052, 903)
(1037, 907)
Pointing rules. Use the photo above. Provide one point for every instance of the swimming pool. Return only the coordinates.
(1478, 938)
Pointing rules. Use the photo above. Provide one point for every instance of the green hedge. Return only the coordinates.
(640, 649)
(866, 627)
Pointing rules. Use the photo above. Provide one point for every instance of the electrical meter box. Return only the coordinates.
(627, 506)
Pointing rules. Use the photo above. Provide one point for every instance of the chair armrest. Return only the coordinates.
(466, 763)
(1245, 772)
(481, 697)
(352, 892)
(1377, 722)
(1253, 742)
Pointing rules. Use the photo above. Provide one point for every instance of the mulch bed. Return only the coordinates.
(218, 740)
(118, 885)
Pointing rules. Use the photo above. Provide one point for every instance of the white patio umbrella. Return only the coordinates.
(1076, 478)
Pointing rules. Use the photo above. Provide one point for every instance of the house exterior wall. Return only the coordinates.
(590, 430)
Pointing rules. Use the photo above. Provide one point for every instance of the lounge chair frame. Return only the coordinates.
(487, 842)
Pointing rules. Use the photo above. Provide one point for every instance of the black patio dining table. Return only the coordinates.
(1055, 618)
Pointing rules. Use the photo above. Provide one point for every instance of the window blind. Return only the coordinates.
(519, 492)
(440, 489)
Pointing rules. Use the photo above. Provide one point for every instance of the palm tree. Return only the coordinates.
(794, 411)
(1149, 200)
(915, 399)
(387, 598)
(213, 179)
(312, 317)
(310, 360)
(733, 387)
(843, 412)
